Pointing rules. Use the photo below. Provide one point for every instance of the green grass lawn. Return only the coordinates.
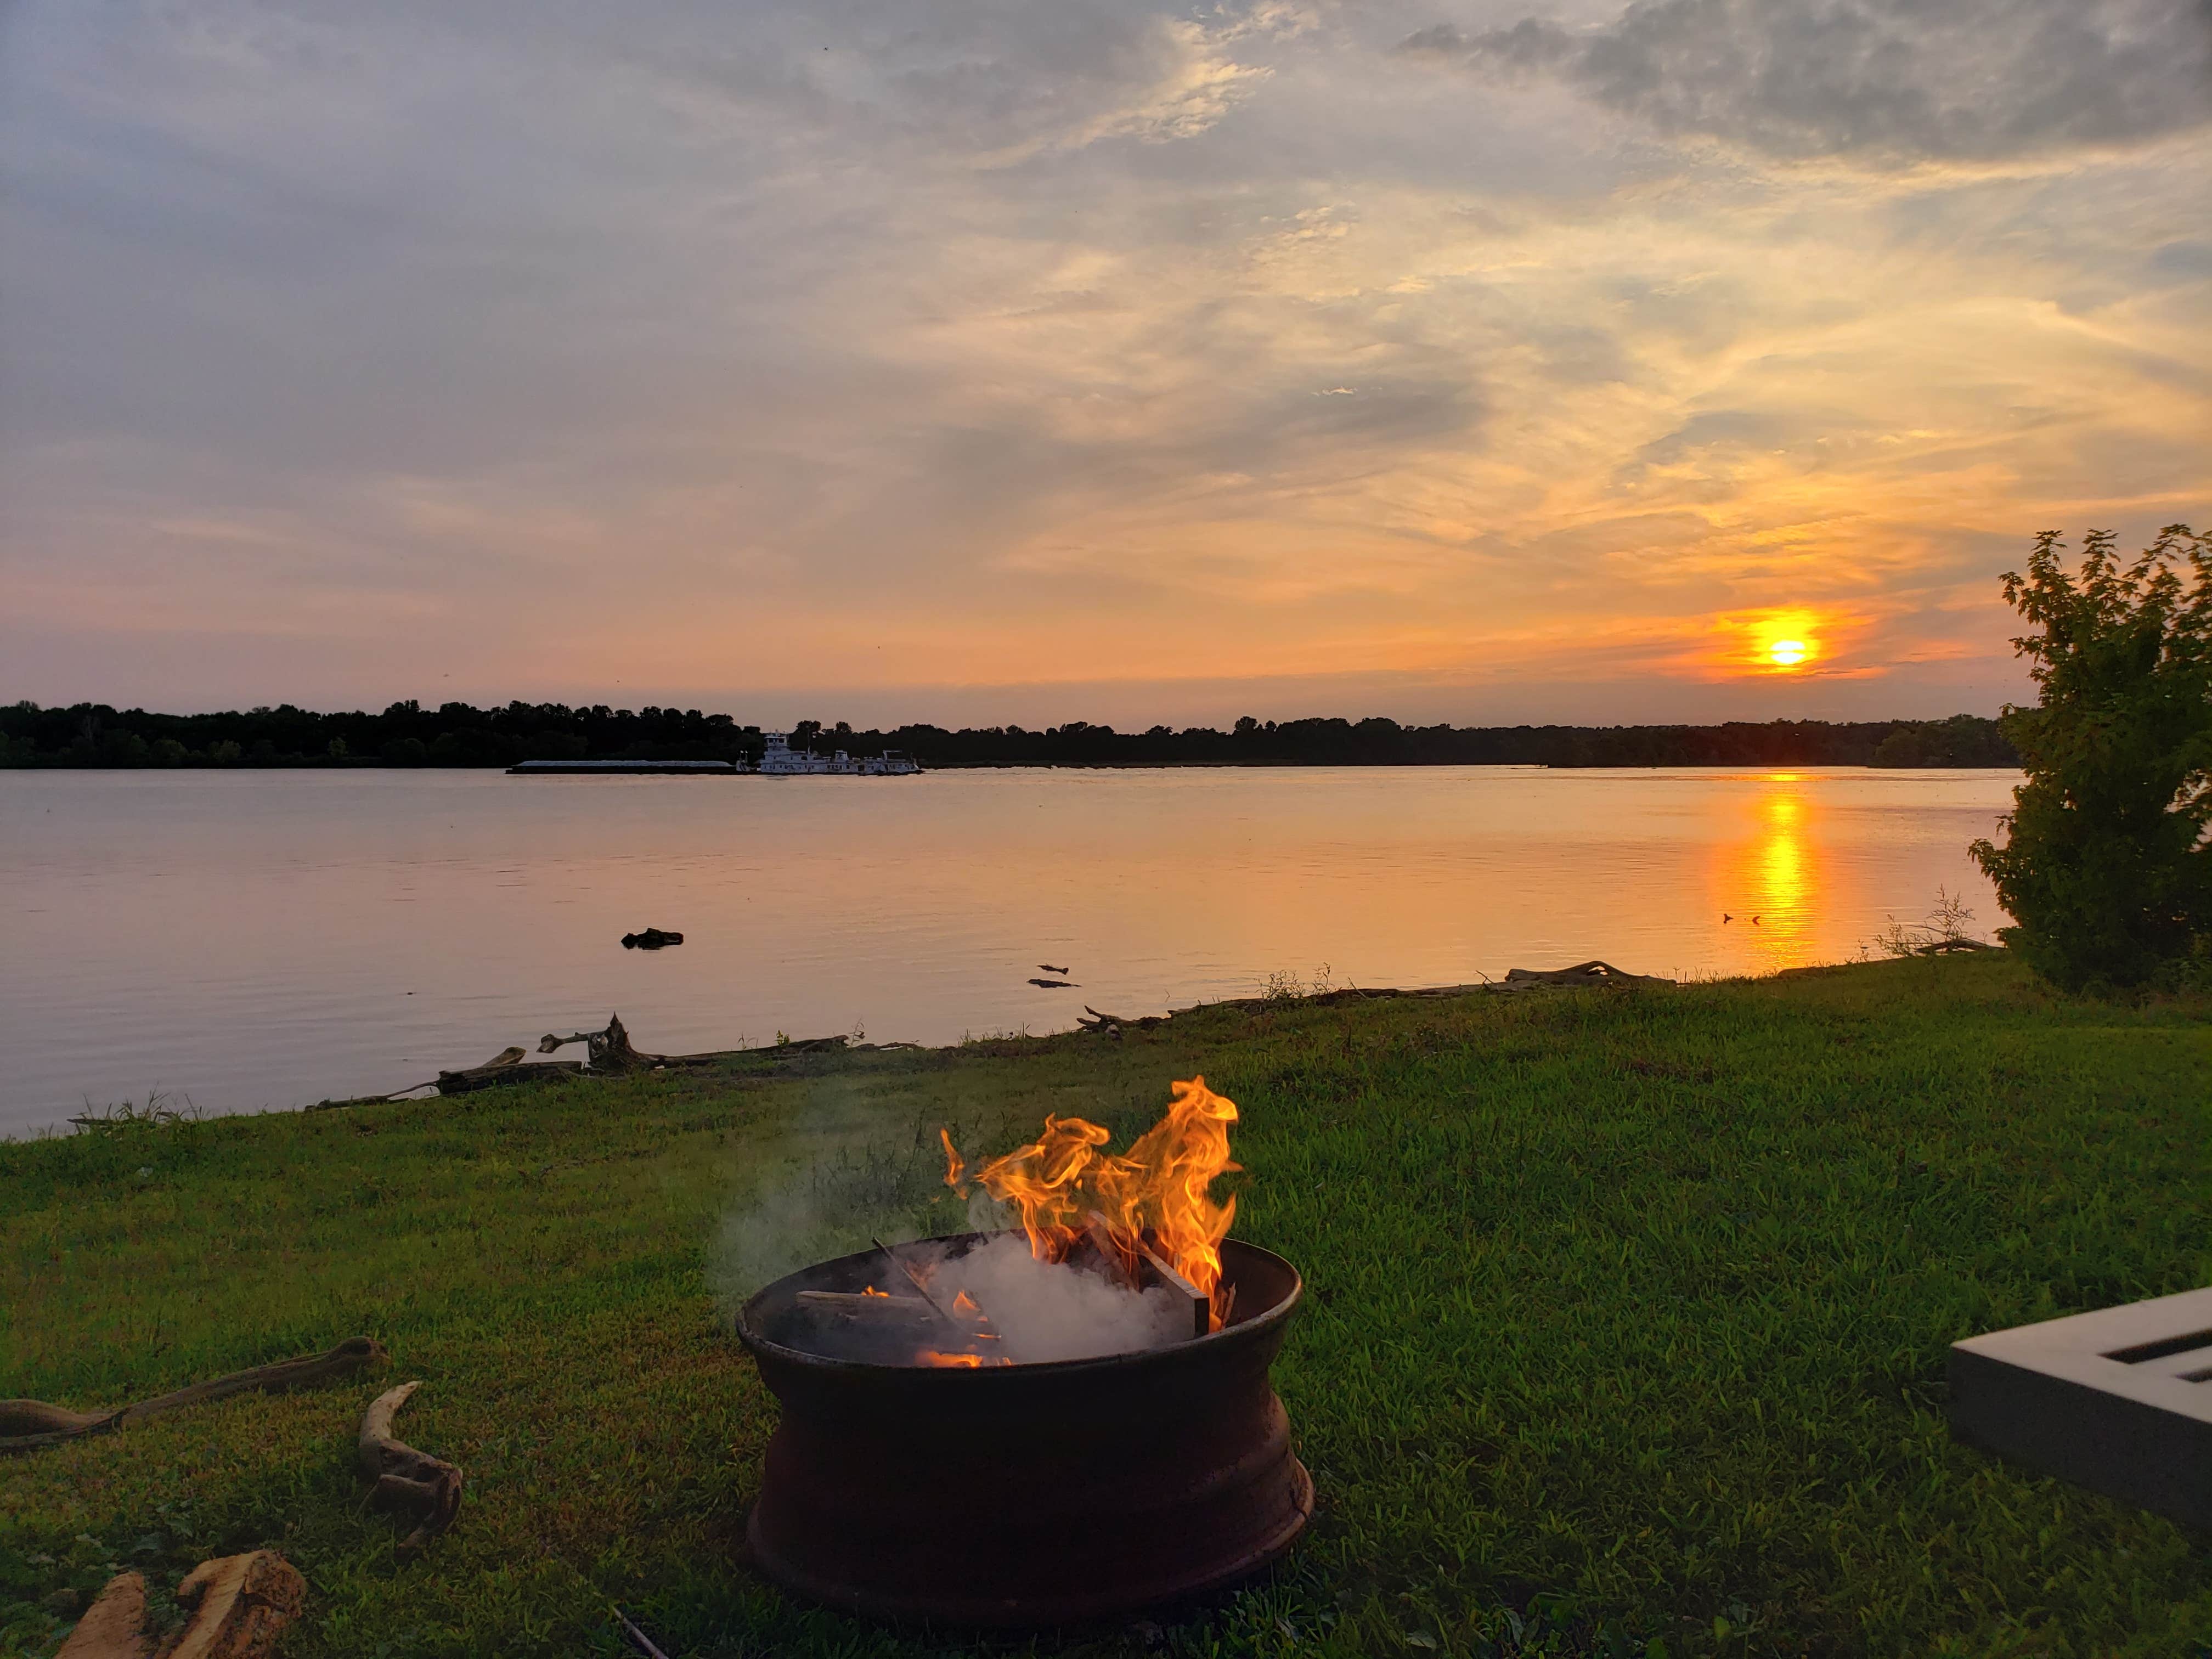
(1624, 1332)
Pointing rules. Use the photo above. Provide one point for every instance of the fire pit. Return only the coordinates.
(1037, 1426)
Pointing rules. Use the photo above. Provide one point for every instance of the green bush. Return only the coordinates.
(2105, 870)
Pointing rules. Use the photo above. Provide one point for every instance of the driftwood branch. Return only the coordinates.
(1944, 947)
(28, 1424)
(1593, 972)
(426, 1489)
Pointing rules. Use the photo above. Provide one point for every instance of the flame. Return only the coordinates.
(965, 1304)
(962, 1361)
(870, 1289)
(1155, 1192)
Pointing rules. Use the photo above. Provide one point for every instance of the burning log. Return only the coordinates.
(426, 1488)
(921, 1283)
(29, 1424)
(1201, 1304)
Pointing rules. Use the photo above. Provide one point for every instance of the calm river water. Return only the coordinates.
(258, 939)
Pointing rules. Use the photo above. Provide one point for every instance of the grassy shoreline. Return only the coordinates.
(1626, 1322)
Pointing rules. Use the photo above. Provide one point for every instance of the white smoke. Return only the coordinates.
(1045, 1311)
(843, 1181)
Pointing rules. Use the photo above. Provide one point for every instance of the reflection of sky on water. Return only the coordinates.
(256, 938)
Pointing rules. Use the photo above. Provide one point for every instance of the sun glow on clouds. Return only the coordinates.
(1091, 343)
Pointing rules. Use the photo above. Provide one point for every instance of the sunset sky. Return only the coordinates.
(981, 361)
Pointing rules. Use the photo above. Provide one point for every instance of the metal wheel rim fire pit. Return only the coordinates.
(1032, 1494)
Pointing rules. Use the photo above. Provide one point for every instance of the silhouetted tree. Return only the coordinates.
(2104, 868)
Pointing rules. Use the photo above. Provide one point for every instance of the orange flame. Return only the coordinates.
(1156, 1191)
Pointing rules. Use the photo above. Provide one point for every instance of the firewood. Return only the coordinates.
(851, 1304)
(915, 1278)
(114, 1626)
(425, 1488)
(28, 1424)
(1202, 1305)
(240, 1605)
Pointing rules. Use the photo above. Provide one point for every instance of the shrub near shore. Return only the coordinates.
(1625, 1325)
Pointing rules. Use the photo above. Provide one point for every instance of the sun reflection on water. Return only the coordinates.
(1771, 877)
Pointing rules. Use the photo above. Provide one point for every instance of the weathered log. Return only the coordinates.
(1944, 947)
(1592, 972)
(28, 1424)
(240, 1605)
(651, 938)
(503, 1070)
(114, 1626)
(426, 1489)
(1055, 985)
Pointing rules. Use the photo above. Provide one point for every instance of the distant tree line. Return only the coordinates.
(459, 734)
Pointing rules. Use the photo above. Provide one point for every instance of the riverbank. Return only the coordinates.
(1625, 1320)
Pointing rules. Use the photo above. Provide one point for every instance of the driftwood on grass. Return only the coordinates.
(114, 1626)
(426, 1489)
(28, 1424)
(1583, 973)
(610, 1051)
(239, 1604)
(1944, 947)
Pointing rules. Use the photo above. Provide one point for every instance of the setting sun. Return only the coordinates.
(1787, 653)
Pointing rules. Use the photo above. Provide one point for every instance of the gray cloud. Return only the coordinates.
(1902, 79)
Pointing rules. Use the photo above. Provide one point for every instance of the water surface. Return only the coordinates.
(261, 940)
